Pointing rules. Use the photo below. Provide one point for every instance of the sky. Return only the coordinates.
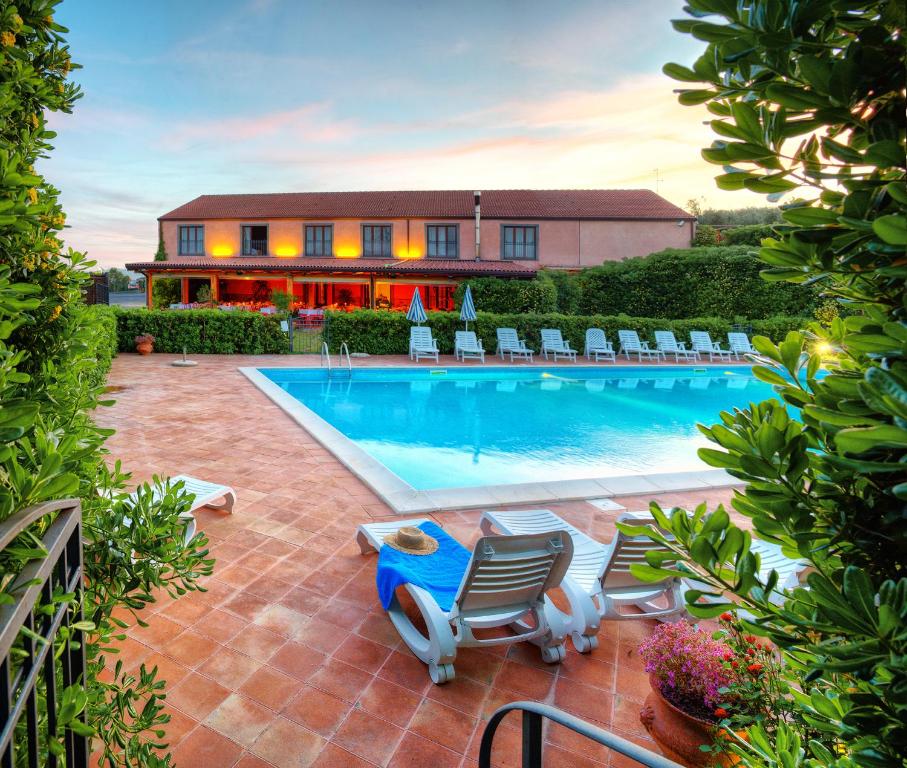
(189, 98)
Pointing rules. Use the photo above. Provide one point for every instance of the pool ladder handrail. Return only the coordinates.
(344, 354)
(325, 356)
(345, 350)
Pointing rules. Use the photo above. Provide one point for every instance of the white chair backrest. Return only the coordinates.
(419, 334)
(507, 338)
(629, 339)
(701, 341)
(739, 342)
(551, 337)
(625, 551)
(595, 339)
(665, 340)
(507, 572)
(466, 339)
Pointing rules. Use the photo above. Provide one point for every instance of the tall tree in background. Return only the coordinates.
(808, 99)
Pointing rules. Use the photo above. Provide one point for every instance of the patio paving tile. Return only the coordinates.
(207, 747)
(368, 737)
(288, 653)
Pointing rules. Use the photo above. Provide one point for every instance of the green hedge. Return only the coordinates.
(753, 234)
(202, 331)
(694, 282)
(103, 342)
(497, 295)
(387, 333)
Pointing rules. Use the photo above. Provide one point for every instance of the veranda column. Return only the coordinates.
(184, 283)
(215, 287)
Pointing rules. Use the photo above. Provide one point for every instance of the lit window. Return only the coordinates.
(254, 240)
(319, 240)
(376, 240)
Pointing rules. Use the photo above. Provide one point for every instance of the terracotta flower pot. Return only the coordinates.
(680, 735)
(144, 348)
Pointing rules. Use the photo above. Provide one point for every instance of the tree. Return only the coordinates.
(54, 352)
(741, 217)
(117, 280)
(161, 253)
(808, 97)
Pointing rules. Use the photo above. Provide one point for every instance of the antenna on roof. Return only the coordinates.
(658, 180)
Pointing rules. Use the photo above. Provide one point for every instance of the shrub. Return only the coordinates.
(166, 291)
(387, 333)
(752, 234)
(705, 236)
(202, 331)
(101, 337)
(496, 295)
(568, 291)
(823, 464)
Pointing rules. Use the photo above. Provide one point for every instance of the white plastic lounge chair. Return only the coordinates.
(740, 344)
(506, 582)
(553, 342)
(421, 344)
(666, 343)
(702, 342)
(630, 343)
(598, 346)
(204, 494)
(598, 580)
(467, 345)
(510, 343)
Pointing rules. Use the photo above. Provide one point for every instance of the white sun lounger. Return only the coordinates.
(702, 342)
(421, 344)
(598, 346)
(204, 493)
(630, 344)
(510, 343)
(740, 344)
(598, 581)
(505, 583)
(666, 343)
(467, 345)
(553, 342)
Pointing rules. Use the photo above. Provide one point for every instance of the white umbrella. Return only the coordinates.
(416, 312)
(468, 307)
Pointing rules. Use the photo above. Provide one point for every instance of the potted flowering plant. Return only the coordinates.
(144, 344)
(708, 688)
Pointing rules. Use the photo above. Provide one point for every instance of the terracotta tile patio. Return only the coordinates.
(288, 659)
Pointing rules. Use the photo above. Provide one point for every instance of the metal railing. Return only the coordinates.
(325, 359)
(47, 594)
(255, 248)
(533, 716)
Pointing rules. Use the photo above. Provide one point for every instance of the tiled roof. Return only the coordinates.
(496, 204)
(452, 267)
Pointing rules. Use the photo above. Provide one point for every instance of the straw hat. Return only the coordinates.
(412, 541)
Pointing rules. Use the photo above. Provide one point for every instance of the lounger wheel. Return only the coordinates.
(440, 673)
(584, 643)
(554, 654)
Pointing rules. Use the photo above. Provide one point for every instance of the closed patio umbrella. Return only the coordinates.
(416, 312)
(468, 307)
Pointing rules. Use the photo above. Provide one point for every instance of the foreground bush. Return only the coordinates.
(387, 333)
(806, 94)
(54, 354)
(201, 331)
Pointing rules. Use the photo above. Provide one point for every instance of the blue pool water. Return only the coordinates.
(493, 426)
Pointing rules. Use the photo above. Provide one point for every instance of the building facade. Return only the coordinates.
(344, 250)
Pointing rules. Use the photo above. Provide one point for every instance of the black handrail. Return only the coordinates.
(30, 666)
(533, 712)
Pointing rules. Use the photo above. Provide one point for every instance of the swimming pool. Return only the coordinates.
(436, 428)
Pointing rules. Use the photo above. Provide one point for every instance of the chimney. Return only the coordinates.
(477, 197)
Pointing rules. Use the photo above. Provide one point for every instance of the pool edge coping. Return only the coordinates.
(402, 498)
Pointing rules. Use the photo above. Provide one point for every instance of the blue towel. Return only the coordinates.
(439, 573)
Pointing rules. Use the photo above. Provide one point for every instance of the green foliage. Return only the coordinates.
(166, 291)
(283, 300)
(54, 353)
(752, 234)
(161, 253)
(204, 295)
(387, 333)
(825, 473)
(693, 282)
(201, 331)
(568, 290)
(117, 280)
(741, 216)
(705, 236)
(496, 295)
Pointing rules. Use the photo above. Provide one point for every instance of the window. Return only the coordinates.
(376, 240)
(442, 241)
(254, 239)
(319, 240)
(519, 242)
(192, 241)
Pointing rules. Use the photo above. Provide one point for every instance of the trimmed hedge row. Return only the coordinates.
(495, 294)
(201, 331)
(387, 333)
